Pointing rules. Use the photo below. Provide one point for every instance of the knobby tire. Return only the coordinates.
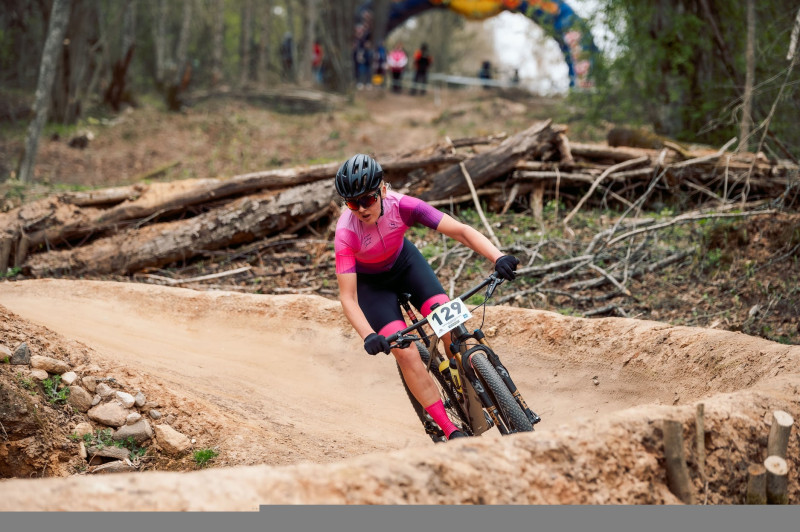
(510, 410)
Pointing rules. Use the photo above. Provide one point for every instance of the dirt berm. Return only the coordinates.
(300, 415)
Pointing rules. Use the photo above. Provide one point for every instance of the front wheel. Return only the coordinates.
(512, 414)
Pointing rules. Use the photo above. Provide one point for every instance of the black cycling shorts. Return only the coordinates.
(410, 274)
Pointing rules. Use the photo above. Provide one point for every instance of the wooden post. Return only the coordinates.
(779, 433)
(5, 252)
(756, 484)
(22, 250)
(677, 472)
(777, 476)
(701, 441)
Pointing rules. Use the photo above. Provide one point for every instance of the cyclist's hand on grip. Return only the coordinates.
(376, 343)
(505, 267)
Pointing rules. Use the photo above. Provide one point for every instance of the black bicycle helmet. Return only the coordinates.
(359, 175)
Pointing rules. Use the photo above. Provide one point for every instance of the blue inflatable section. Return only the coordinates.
(556, 17)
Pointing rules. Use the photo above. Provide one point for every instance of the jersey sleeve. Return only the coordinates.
(414, 210)
(344, 251)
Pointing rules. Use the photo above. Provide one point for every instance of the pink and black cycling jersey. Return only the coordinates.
(374, 248)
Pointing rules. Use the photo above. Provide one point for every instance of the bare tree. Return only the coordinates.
(265, 23)
(747, 99)
(310, 17)
(116, 93)
(160, 42)
(59, 17)
(246, 41)
(218, 32)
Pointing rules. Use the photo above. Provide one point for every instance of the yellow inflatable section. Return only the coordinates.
(475, 9)
(483, 9)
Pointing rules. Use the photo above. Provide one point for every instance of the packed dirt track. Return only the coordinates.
(300, 415)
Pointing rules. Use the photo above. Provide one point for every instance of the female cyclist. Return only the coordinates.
(375, 263)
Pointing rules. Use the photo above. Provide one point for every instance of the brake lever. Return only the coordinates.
(496, 281)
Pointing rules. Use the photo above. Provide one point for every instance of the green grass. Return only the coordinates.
(51, 391)
(204, 456)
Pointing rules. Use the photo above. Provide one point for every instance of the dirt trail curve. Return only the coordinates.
(280, 385)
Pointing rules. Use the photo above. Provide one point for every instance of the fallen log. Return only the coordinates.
(240, 221)
(68, 221)
(489, 165)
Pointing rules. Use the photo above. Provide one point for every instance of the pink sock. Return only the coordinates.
(436, 410)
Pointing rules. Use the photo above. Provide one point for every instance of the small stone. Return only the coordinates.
(595, 381)
(140, 431)
(39, 374)
(133, 418)
(82, 450)
(22, 355)
(110, 414)
(5, 353)
(140, 399)
(90, 383)
(155, 414)
(69, 378)
(171, 441)
(51, 365)
(104, 390)
(80, 399)
(126, 399)
(96, 399)
(83, 428)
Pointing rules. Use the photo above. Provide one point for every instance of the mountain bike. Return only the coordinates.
(476, 389)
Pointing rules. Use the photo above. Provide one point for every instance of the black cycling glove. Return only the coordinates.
(376, 343)
(505, 266)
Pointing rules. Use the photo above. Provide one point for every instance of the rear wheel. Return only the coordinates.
(449, 400)
(512, 414)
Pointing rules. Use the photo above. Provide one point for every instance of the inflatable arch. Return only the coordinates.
(557, 19)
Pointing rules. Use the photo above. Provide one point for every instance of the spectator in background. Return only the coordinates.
(362, 59)
(287, 56)
(397, 61)
(485, 72)
(316, 62)
(422, 62)
(379, 65)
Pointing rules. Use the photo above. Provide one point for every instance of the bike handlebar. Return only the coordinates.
(493, 280)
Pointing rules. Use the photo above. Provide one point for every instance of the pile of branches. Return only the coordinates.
(263, 224)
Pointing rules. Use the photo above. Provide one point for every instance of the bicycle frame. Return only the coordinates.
(474, 399)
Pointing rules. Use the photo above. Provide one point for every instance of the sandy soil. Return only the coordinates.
(282, 380)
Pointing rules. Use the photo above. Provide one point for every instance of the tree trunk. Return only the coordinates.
(777, 479)
(59, 17)
(241, 221)
(218, 42)
(115, 93)
(380, 17)
(489, 165)
(246, 41)
(747, 99)
(265, 22)
(160, 42)
(309, 35)
(337, 38)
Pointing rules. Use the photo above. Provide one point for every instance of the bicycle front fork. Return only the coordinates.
(461, 336)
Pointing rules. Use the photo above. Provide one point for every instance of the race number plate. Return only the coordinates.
(448, 316)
